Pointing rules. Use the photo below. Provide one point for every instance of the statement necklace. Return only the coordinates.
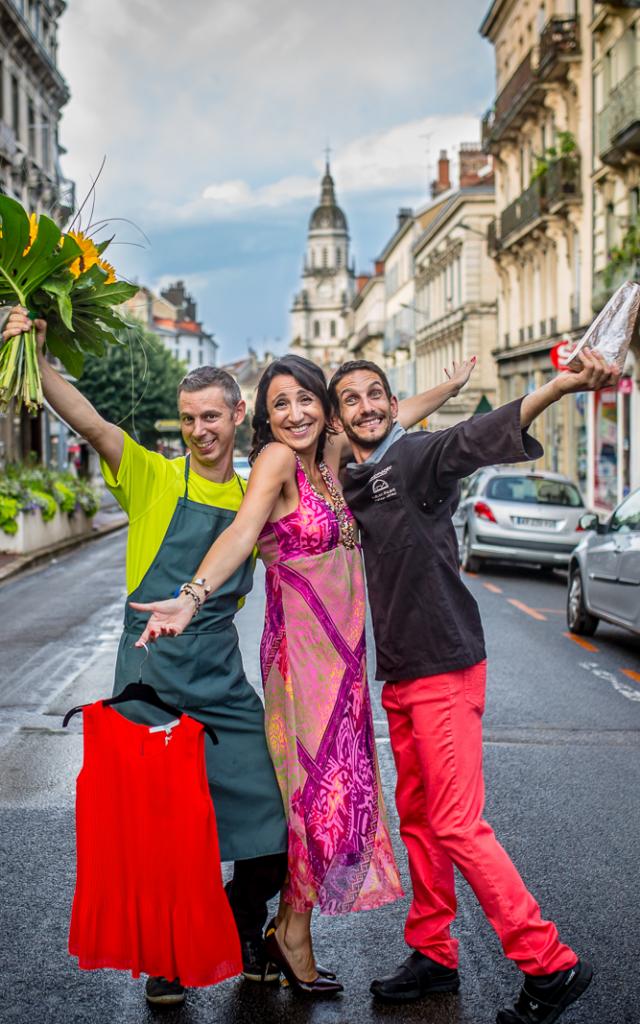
(336, 503)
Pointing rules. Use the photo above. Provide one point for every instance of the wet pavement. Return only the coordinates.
(562, 761)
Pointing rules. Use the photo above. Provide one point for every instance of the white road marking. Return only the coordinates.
(610, 677)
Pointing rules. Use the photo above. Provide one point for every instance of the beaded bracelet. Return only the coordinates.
(186, 588)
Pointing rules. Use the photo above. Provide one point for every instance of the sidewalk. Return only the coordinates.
(109, 518)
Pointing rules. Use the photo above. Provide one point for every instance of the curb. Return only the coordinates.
(24, 562)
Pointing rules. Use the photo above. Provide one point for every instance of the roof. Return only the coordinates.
(328, 214)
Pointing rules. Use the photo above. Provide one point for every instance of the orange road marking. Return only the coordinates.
(552, 611)
(631, 674)
(492, 587)
(527, 610)
(582, 643)
(467, 573)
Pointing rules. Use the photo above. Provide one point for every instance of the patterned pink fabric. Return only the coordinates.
(319, 722)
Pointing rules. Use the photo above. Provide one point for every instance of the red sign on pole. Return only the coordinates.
(560, 351)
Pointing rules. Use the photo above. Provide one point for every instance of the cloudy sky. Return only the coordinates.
(213, 116)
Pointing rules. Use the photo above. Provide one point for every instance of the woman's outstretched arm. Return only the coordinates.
(273, 467)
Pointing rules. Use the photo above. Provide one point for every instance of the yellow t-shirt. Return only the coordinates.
(148, 487)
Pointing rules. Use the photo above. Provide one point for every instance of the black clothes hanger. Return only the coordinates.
(145, 693)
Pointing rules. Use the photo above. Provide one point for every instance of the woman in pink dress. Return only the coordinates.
(318, 711)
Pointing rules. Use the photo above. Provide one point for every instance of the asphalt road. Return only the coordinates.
(562, 760)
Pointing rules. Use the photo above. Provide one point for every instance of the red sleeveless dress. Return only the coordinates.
(149, 895)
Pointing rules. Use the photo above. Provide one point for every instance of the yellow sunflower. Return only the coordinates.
(89, 254)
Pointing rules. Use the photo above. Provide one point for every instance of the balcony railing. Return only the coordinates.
(621, 118)
(562, 180)
(606, 282)
(560, 38)
(493, 241)
(559, 42)
(526, 208)
(619, 3)
(372, 329)
(559, 184)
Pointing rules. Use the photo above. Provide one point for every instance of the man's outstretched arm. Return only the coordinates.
(594, 375)
(68, 402)
(417, 407)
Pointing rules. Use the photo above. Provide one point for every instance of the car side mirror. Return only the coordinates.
(589, 521)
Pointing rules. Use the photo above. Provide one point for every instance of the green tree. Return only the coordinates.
(134, 384)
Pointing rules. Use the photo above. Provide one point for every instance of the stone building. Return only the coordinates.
(538, 132)
(32, 95)
(318, 327)
(365, 318)
(455, 289)
(564, 132)
(173, 317)
(614, 416)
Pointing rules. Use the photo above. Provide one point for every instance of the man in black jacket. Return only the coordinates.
(403, 490)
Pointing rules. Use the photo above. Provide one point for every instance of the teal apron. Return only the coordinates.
(201, 672)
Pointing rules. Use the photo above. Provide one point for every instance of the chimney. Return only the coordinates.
(405, 213)
(443, 182)
(472, 162)
(361, 280)
(379, 265)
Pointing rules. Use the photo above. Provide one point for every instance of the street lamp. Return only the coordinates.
(468, 227)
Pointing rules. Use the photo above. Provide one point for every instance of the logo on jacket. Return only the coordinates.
(381, 489)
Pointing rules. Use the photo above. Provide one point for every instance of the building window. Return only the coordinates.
(333, 328)
(15, 106)
(338, 257)
(46, 143)
(313, 258)
(325, 259)
(177, 353)
(316, 328)
(188, 357)
(200, 357)
(31, 120)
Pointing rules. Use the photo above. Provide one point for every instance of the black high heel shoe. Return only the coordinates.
(324, 972)
(318, 988)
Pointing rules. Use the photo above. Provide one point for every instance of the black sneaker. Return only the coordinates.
(255, 966)
(418, 976)
(544, 998)
(161, 992)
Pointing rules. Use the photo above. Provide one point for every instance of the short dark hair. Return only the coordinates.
(212, 377)
(310, 377)
(351, 367)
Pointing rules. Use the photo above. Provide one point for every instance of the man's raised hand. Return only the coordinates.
(459, 373)
(594, 374)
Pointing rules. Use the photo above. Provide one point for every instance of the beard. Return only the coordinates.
(368, 443)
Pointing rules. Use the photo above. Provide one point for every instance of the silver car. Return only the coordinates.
(604, 572)
(514, 516)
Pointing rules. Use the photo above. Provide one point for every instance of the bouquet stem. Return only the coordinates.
(20, 373)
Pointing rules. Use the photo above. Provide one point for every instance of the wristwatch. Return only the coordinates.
(199, 581)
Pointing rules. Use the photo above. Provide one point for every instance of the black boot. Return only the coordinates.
(418, 976)
(543, 998)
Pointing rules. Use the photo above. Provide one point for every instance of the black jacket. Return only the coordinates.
(425, 620)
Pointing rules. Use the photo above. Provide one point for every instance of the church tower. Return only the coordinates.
(317, 323)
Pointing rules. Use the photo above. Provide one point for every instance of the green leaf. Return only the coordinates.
(20, 273)
(59, 288)
(71, 359)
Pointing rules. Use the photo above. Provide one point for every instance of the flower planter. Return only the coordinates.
(34, 533)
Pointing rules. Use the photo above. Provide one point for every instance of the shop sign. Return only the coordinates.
(625, 385)
(560, 352)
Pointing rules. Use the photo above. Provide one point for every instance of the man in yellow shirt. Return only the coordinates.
(176, 510)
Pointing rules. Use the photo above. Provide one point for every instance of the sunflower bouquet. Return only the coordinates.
(63, 278)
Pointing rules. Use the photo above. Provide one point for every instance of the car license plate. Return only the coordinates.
(534, 524)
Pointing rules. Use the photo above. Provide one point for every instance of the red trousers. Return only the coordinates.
(435, 725)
